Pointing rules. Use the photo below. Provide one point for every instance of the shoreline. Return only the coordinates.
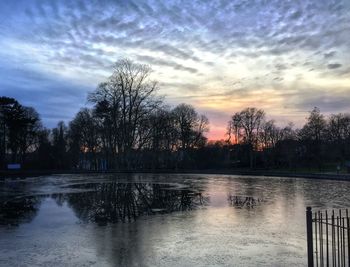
(5, 174)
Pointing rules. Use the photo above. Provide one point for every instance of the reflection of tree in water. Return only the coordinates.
(19, 210)
(121, 202)
(244, 201)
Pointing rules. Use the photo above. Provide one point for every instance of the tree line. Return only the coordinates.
(322, 143)
(128, 126)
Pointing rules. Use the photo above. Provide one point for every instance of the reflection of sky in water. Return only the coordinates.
(211, 233)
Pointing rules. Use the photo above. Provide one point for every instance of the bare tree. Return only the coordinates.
(59, 136)
(247, 126)
(234, 128)
(313, 136)
(124, 102)
(28, 136)
(270, 134)
(338, 127)
(315, 128)
(84, 129)
(19, 129)
(251, 121)
(190, 126)
(338, 134)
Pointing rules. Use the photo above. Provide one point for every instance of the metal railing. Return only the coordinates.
(328, 238)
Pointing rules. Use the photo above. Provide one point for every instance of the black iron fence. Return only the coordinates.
(328, 238)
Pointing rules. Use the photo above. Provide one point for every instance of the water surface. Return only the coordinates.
(160, 220)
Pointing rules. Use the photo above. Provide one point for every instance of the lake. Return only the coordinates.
(160, 219)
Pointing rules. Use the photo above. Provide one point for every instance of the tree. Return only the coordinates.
(44, 153)
(19, 127)
(338, 134)
(271, 134)
(123, 104)
(189, 129)
(315, 127)
(28, 135)
(163, 136)
(234, 127)
(190, 126)
(59, 145)
(7, 107)
(247, 126)
(251, 121)
(83, 130)
(338, 127)
(312, 135)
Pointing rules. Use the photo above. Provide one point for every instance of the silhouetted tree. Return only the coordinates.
(190, 126)
(59, 145)
(7, 106)
(338, 134)
(83, 130)
(234, 128)
(45, 157)
(123, 103)
(312, 135)
(162, 139)
(315, 128)
(247, 126)
(19, 130)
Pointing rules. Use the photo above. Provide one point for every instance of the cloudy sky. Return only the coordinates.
(220, 56)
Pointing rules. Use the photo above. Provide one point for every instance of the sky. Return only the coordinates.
(285, 57)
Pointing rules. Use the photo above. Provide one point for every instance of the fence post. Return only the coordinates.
(310, 252)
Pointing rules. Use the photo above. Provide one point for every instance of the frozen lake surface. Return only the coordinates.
(160, 219)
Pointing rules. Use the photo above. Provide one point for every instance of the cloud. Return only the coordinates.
(329, 54)
(192, 87)
(165, 63)
(334, 66)
(281, 66)
(328, 102)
